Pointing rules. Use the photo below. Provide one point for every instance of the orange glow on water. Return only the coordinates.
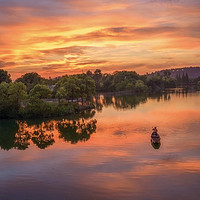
(110, 151)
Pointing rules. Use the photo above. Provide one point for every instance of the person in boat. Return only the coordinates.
(155, 135)
(155, 130)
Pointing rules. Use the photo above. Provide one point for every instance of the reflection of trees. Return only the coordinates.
(119, 102)
(43, 135)
(166, 96)
(76, 130)
(161, 96)
(42, 140)
(130, 101)
(98, 102)
(8, 128)
(40, 134)
(22, 137)
(20, 134)
(87, 114)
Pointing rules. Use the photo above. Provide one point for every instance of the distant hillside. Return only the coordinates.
(192, 72)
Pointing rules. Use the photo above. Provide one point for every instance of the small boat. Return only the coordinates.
(155, 138)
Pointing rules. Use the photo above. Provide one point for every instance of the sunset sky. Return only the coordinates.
(56, 37)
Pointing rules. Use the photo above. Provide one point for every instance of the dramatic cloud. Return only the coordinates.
(64, 36)
(5, 64)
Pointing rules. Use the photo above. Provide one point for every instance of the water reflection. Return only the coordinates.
(20, 134)
(119, 102)
(76, 130)
(155, 145)
(8, 129)
(123, 101)
(117, 162)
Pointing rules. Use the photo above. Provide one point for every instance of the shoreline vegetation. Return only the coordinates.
(20, 133)
(32, 96)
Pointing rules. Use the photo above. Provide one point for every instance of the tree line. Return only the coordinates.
(27, 97)
(130, 80)
(32, 96)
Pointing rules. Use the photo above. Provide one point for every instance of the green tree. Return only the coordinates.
(36, 106)
(87, 87)
(120, 86)
(40, 92)
(107, 81)
(89, 73)
(4, 76)
(125, 80)
(61, 93)
(130, 86)
(97, 76)
(140, 86)
(16, 94)
(31, 79)
(155, 83)
(4, 106)
(11, 98)
(169, 82)
(71, 85)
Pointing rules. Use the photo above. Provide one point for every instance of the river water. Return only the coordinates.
(106, 153)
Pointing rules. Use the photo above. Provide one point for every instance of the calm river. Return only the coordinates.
(106, 154)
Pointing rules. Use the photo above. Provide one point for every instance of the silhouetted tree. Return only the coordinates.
(31, 79)
(4, 76)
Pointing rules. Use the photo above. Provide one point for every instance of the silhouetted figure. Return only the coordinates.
(155, 130)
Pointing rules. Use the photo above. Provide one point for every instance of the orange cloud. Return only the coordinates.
(110, 35)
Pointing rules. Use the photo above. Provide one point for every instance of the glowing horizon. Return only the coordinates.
(60, 37)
